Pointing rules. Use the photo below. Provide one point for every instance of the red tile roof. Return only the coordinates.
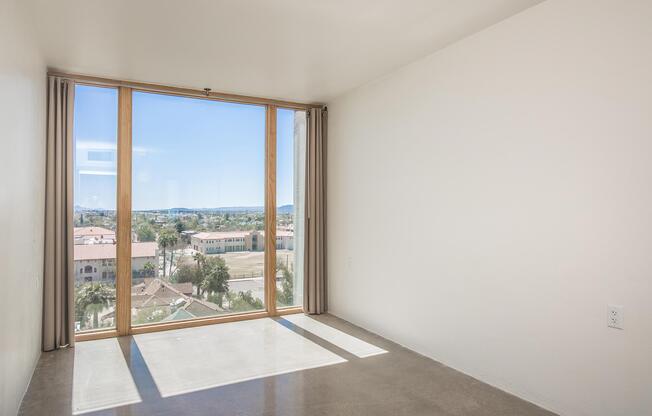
(92, 231)
(107, 251)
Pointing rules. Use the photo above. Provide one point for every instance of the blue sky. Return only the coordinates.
(190, 153)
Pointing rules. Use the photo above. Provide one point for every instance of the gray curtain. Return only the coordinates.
(58, 287)
(314, 287)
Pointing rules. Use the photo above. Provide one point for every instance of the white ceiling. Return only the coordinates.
(302, 50)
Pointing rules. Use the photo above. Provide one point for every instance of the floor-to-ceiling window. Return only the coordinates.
(290, 197)
(198, 219)
(94, 193)
(185, 208)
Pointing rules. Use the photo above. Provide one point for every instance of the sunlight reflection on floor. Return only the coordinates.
(193, 359)
(101, 377)
(354, 345)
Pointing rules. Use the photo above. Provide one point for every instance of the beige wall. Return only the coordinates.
(109, 266)
(518, 163)
(22, 167)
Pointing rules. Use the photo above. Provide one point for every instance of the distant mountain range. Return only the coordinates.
(283, 209)
(80, 208)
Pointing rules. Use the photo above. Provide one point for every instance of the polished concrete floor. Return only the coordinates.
(293, 365)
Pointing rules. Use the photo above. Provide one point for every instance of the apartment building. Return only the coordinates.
(233, 241)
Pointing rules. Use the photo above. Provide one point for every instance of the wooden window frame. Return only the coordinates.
(125, 89)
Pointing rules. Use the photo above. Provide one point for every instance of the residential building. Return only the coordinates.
(96, 262)
(155, 297)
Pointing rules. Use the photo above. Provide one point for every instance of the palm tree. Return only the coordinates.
(166, 238)
(199, 258)
(94, 297)
(199, 271)
(176, 245)
(215, 276)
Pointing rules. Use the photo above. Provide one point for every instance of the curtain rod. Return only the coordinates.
(205, 93)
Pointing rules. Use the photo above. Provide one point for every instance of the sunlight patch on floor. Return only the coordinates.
(349, 343)
(101, 378)
(193, 359)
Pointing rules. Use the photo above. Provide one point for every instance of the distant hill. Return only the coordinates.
(283, 209)
(79, 208)
(207, 210)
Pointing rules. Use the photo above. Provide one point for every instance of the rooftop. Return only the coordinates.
(107, 251)
(156, 292)
(92, 231)
(222, 235)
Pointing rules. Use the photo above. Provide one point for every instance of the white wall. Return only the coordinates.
(486, 203)
(22, 170)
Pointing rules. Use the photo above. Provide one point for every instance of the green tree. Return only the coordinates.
(149, 269)
(167, 238)
(244, 301)
(93, 298)
(193, 224)
(188, 273)
(200, 259)
(179, 226)
(209, 275)
(286, 296)
(145, 232)
(215, 277)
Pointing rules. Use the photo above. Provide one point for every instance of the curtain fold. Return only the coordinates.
(58, 287)
(315, 287)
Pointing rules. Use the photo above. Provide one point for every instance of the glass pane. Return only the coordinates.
(197, 217)
(290, 197)
(95, 135)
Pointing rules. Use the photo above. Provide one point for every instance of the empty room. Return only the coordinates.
(326, 208)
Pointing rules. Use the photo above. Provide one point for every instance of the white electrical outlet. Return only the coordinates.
(615, 318)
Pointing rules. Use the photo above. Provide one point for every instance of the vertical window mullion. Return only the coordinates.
(123, 236)
(270, 210)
